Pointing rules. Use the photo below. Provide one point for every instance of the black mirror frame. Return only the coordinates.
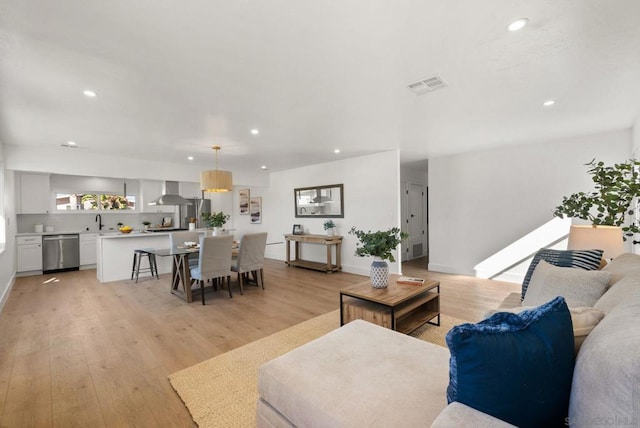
(318, 188)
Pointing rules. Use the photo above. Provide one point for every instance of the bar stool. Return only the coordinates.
(137, 261)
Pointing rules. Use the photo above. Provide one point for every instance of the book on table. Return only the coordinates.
(410, 281)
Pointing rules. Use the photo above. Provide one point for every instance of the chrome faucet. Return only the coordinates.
(99, 220)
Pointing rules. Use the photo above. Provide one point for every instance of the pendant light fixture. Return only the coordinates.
(216, 180)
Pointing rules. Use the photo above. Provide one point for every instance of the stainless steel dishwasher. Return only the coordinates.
(60, 253)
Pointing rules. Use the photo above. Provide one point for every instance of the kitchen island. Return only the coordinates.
(115, 253)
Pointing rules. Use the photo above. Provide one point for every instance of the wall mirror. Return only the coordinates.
(319, 201)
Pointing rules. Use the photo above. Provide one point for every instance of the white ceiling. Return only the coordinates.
(174, 77)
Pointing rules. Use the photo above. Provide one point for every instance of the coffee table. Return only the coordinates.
(398, 307)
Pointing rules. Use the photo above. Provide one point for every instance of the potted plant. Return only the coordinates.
(146, 224)
(329, 227)
(616, 188)
(380, 245)
(216, 220)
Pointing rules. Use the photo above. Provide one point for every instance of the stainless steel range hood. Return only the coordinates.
(170, 195)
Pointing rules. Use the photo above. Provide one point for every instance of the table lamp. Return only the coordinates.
(605, 238)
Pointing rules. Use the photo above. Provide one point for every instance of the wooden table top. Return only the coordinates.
(393, 295)
(320, 239)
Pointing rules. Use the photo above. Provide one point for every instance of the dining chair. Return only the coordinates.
(214, 261)
(251, 258)
(179, 238)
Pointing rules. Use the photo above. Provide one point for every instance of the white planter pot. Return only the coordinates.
(379, 273)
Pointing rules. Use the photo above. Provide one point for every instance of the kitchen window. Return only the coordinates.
(94, 202)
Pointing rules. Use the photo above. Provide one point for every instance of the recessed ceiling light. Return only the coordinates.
(255, 132)
(518, 24)
(336, 151)
(190, 157)
(263, 167)
(71, 143)
(548, 103)
(89, 93)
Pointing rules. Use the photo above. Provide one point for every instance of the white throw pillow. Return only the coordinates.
(579, 287)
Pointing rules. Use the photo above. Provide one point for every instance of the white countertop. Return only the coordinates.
(67, 232)
(101, 233)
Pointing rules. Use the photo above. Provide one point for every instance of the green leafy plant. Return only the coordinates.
(378, 244)
(616, 188)
(146, 223)
(215, 219)
(113, 202)
(120, 224)
(329, 224)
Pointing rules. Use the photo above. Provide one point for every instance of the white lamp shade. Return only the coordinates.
(216, 181)
(605, 238)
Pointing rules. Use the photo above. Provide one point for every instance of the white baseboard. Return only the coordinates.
(449, 269)
(510, 277)
(7, 290)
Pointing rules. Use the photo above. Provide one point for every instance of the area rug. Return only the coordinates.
(222, 391)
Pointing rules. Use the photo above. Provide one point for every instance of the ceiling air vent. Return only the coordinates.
(429, 84)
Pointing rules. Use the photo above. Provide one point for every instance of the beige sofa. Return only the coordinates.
(365, 375)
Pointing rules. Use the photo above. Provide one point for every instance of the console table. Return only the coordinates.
(328, 241)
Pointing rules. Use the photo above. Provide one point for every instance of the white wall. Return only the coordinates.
(371, 202)
(636, 138)
(8, 218)
(484, 201)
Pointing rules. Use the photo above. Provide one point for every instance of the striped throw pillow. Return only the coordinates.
(583, 259)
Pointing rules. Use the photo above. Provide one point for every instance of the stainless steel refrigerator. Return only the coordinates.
(195, 210)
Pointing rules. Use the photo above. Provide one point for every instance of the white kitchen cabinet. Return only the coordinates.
(150, 190)
(88, 248)
(29, 253)
(35, 194)
(190, 190)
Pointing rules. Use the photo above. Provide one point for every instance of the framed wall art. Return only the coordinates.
(255, 208)
(244, 201)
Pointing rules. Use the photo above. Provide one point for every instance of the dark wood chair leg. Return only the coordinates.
(202, 290)
(240, 281)
(261, 276)
(228, 285)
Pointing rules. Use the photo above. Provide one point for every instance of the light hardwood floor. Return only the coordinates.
(74, 352)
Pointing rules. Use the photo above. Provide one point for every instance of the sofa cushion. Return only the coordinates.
(624, 290)
(360, 374)
(621, 266)
(579, 287)
(515, 367)
(583, 319)
(582, 259)
(606, 380)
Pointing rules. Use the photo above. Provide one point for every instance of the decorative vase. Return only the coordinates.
(217, 231)
(331, 231)
(379, 273)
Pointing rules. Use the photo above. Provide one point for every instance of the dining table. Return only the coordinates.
(180, 270)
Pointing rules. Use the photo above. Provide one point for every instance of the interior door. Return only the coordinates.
(416, 221)
(404, 215)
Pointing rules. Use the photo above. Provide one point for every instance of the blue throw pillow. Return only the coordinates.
(583, 259)
(515, 367)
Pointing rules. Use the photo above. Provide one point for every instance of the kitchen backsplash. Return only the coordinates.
(79, 222)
